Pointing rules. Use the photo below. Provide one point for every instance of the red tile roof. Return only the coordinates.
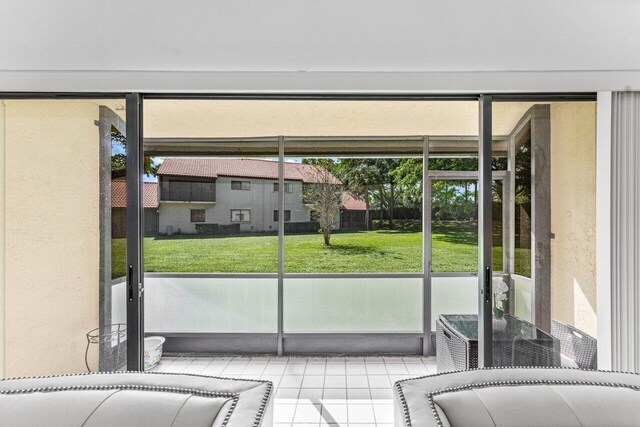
(353, 202)
(119, 194)
(204, 167)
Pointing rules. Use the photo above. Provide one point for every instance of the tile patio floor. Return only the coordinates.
(317, 391)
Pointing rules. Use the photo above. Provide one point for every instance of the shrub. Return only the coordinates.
(301, 227)
(218, 229)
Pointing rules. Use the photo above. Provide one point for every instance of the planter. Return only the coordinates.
(152, 351)
(499, 324)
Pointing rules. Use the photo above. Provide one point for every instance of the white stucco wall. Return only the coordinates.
(261, 200)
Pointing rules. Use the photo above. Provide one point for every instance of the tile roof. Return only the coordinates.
(353, 202)
(119, 194)
(205, 167)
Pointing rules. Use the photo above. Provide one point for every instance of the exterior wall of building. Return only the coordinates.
(573, 214)
(51, 234)
(261, 200)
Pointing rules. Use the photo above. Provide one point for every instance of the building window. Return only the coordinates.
(276, 216)
(197, 215)
(177, 190)
(241, 185)
(240, 215)
(288, 187)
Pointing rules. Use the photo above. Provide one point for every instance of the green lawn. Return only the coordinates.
(454, 249)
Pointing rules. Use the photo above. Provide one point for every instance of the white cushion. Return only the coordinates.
(520, 396)
(134, 399)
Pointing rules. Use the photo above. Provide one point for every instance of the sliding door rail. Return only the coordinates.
(497, 97)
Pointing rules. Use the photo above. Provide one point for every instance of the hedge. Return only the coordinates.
(301, 227)
(218, 229)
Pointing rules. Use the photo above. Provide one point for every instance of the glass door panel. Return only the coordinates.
(454, 242)
(543, 303)
(454, 225)
(211, 237)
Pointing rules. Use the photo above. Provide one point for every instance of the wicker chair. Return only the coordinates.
(576, 345)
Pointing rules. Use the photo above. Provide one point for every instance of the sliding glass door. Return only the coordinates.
(291, 226)
(307, 225)
(541, 308)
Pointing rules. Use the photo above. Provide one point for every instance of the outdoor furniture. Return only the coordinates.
(519, 397)
(135, 399)
(578, 349)
(515, 343)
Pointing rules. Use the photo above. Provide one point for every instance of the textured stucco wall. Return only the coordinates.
(239, 118)
(52, 234)
(2, 207)
(573, 214)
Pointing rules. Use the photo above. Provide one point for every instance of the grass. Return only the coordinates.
(454, 249)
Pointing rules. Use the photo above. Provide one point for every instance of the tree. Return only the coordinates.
(323, 197)
(386, 180)
(408, 175)
(119, 158)
(357, 175)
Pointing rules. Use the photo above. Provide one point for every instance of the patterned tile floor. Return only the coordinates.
(317, 391)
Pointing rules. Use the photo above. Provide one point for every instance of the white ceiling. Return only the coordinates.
(447, 45)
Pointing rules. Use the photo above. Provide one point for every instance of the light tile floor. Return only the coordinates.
(317, 391)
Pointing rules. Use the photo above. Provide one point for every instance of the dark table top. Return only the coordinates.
(466, 325)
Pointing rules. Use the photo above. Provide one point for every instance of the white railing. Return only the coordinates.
(311, 304)
(352, 305)
(523, 297)
(453, 295)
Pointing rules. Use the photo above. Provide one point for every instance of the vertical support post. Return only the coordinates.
(511, 220)
(485, 152)
(541, 215)
(280, 245)
(135, 170)
(506, 242)
(511, 199)
(427, 347)
(104, 292)
(108, 120)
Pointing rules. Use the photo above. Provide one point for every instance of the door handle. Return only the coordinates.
(487, 285)
(130, 282)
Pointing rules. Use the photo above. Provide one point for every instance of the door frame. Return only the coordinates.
(435, 175)
(135, 234)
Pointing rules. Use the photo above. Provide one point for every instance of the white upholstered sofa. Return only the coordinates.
(519, 397)
(135, 399)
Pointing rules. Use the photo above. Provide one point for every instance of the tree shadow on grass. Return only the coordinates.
(209, 236)
(456, 232)
(350, 249)
(461, 232)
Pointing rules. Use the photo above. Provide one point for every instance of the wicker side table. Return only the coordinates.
(519, 344)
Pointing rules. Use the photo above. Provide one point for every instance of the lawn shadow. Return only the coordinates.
(461, 232)
(350, 249)
(209, 236)
(456, 232)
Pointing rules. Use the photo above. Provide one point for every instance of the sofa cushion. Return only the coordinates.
(134, 399)
(520, 396)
